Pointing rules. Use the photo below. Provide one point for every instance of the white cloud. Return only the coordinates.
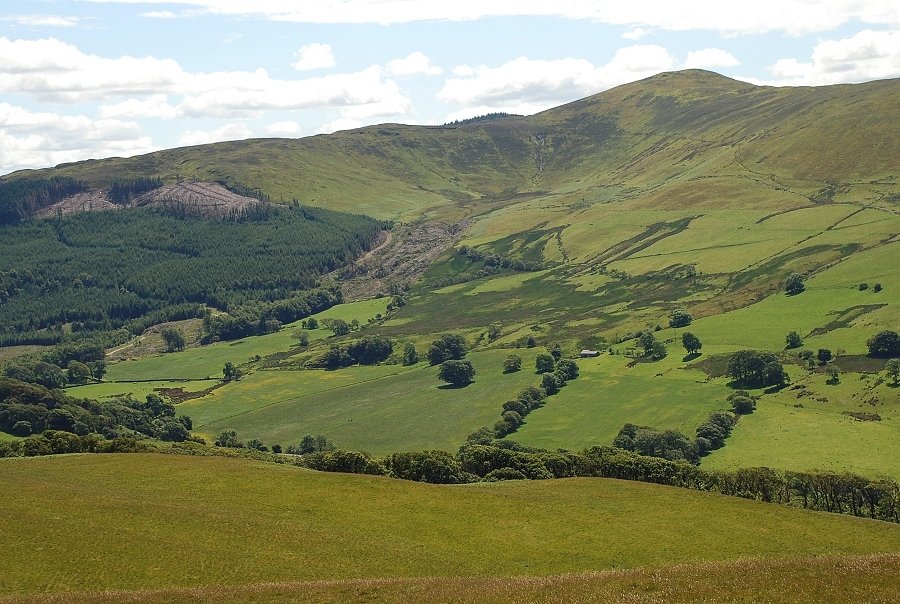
(156, 105)
(158, 14)
(285, 128)
(866, 55)
(51, 70)
(792, 16)
(415, 63)
(710, 58)
(56, 71)
(339, 124)
(30, 138)
(41, 20)
(635, 34)
(228, 132)
(463, 70)
(542, 84)
(314, 56)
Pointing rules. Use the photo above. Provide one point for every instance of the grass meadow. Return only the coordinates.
(834, 579)
(591, 410)
(150, 522)
(382, 409)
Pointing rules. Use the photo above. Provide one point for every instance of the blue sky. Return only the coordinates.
(95, 78)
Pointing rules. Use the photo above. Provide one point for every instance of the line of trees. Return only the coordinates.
(842, 493)
(123, 190)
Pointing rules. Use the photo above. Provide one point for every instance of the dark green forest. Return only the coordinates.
(99, 271)
(20, 199)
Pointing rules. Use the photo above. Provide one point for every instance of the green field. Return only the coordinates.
(165, 521)
(207, 361)
(806, 428)
(381, 409)
(138, 390)
(591, 410)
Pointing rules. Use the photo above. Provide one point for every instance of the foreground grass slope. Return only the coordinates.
(157, 521)
(834, 579)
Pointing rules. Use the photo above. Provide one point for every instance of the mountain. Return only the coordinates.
(633, 141)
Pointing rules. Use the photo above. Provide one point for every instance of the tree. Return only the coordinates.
(793, 340)
(49, 375)
(755, 368)
(339, 327)
(646, 341)
(370, 350)
(448, 347)
(336, 357)
(311, 444)
(824, 355)
(884, 344)
(98, 370)
(78, 372)
(530, 342)
(742, 404)
(544, 363)
(512, 364)
(658, 351)
(157, 407)
(228, 438)
(302, 339)
(680, 318)
(493, 331)
(172, 430)
(456, 372)
(892, 368)
(311, 323)
(794, 284)
(555, 351)
(173, 339)
(550, 383)
(410, 354)
(255, 443)
(691, 343)
(230, 372)
(568, 369)
(877, 288)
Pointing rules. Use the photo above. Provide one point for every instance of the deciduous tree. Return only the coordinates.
(457, 372)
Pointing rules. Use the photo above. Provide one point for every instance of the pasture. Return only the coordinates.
(590, 410)
(382, 409)
(807, 427)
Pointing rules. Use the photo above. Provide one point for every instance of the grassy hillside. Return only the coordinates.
(685, 190)
(631, 140)
(789, 581)
(157, 521)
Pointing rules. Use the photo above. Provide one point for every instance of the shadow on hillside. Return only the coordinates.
(453, 386)
(690, 357)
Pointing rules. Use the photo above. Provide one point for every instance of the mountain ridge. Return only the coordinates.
(647, 131)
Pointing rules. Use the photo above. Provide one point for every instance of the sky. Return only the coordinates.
(84, 79)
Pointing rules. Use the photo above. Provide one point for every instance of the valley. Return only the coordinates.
(680, 205)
